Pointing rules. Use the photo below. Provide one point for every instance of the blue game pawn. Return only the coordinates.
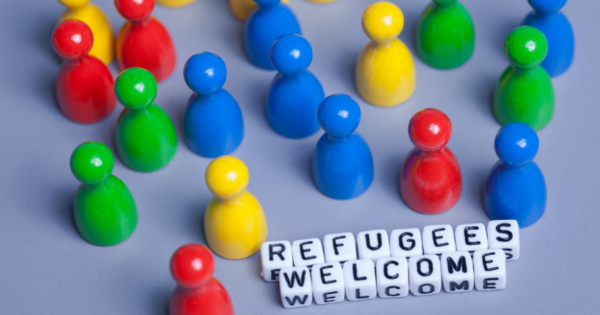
(342, 164)
(213, 123)
(295, 93)
(559, 33)
(515, 188)
(264, 25)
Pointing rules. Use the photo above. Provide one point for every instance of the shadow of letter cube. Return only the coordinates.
(307, 252)
(373, 244)
(504, 234)
(471, 237)
(457, 272)
(406, 243)
(274, 256)
(438, 239)
(295, 287)
(359, 279)
(425, 276)
(328, 283)
(339, 247)
(392, 277)
(490, 269)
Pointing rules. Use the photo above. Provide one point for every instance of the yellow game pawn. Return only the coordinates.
(385, 71)
(93, 16)
(241, 8)
(234, 222)
(174, 3)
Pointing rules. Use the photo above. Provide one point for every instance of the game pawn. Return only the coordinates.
(197, 292)
(175, 3)
(546, 17)
(524, 92)
(143, 41)
(385, 71)
(242, 8)
(213, 123)
(295, 93)
(445, 34)
(105, 212)
(515, 188)
(145, 137)
(84, 85)
(90, 14)
(234, 221)
(431, 180)
(263, 26)
(342, 165)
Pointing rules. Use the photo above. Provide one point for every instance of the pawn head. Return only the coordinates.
(444, 1)
(135, 88)
(291, 54)
(382, 21)
(339, 115)
(205, 73)
(546, 7)
(73, 4)
(226, 176)
(516, 144)
(92, 162)
(135, 10)
(429, 129)
(526, 46)
(267, 3)
(72, 39)
(192, 265)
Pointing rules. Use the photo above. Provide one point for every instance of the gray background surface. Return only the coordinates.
(47, 268)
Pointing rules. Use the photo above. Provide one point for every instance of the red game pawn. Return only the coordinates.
(143, 41)
(197, 293)
(431, 181)
(84, 86)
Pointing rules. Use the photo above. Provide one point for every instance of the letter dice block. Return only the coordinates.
(373, 244)
(425, 276)
(392, 277)
(504, 234)
(406, 243)
(359, 278)
(471, 237)
(457, 272)
(328, 283)
(438, 239)
(295, 287)
(339, 247)
(490, 269)
(274, 256)
(307, 252)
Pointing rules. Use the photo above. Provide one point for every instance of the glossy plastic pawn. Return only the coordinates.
(242, 8)
(105, 212)
(84, 85)
(263, 26)
(547, 18)
(431, 180)
(295, 93)
(145, 136)
(234, 221)
(515, 188)
(175, 3)
(144, 41)
(197, 292)
(524, 92)
(342, 165)
(213, 123)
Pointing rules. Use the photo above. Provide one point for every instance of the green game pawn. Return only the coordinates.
(146, 138)
(445, 35)
(105, 212)
(524, 92)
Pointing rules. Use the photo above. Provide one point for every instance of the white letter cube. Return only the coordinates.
(295, 287)
(307, 252)
(490, 269)
(457, 272)
(425, 276)
(471, 237)
(392, 277)
(373, 244)
(359, 278)
(328, 283)
(406, 243)
(274, 256)
(438, 239)
(339, 247)
(504, 234)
